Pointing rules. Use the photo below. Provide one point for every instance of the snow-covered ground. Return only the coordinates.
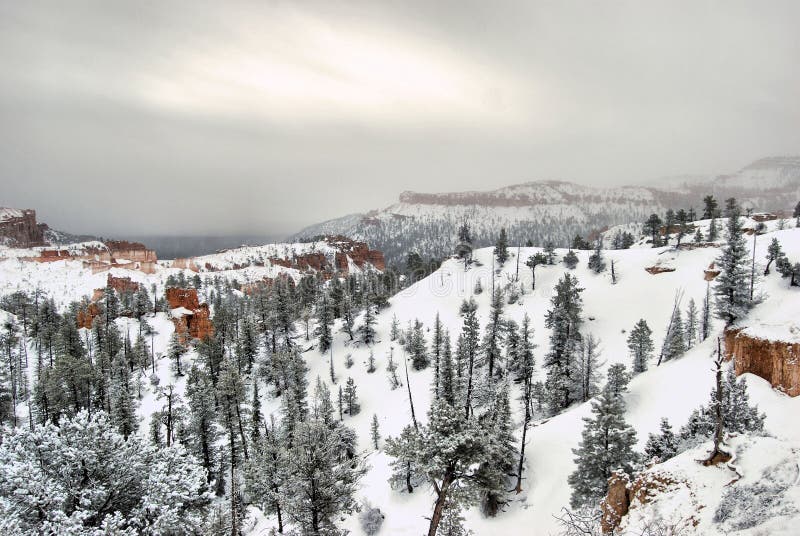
(672, 390)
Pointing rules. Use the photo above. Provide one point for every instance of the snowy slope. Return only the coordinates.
(672, 390)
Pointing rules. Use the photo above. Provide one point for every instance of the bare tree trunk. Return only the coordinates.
(410, 399)
(718, 454)
(441, 499)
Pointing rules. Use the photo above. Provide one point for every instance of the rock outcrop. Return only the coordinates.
(625, 494)
(122, 284)
(776, 361)
(358, 252)
(616, 503)
(18, 228)
(191, 318)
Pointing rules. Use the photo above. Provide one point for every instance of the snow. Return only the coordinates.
(671, 390)
(10, 213)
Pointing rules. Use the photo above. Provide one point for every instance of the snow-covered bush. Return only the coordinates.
(745, 506)
(371, 519)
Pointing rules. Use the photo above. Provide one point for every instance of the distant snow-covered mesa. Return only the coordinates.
(555, 211)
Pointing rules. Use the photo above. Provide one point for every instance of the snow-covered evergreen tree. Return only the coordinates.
(596, 261)
(85, 478)
(640, 345)
(732, 286)
(606, 446)
(564, 319)
(662, 445)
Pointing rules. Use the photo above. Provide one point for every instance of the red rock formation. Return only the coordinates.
(623, 495)
(778, 362)
(658, 269)
(86, 315)
(186, 264)
(131, 251)
(711, 272)
(616, 503)
(359, 252)
(197, 323)
(19, 228)
(122, 284)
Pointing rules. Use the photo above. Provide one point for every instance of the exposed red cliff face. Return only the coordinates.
(197, 323)
(711, 272)
(122, 284)
(624, 494)
(359, 252)
(616, 503)
(86, 315)
(18, 228)
(778, 362)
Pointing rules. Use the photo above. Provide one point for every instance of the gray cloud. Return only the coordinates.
(192, 117)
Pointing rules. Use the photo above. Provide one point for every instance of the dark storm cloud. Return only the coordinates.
(170, 117)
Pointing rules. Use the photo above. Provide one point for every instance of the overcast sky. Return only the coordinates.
(167, 117)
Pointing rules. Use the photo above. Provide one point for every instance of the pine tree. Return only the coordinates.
(493, 474)
(467, 351)
(391, 370)
(690, 326)
(323, 481)
(617, 379)
(348, 316)
(571, 260)
(596, 262)
(123, 411)
(375, 431)
(86, 478)
(447, 380)
(713, 232)
(732, 285)
(394, 332)
(175, 351)
(564, 319)
(586, 365)
(640, 345)
(534, 261)
(324, 323)
(663, 445)
(774, 252)
(367, 329)
(416, 347)
(501, 247)
(698, 235)
(675, 339)
(351, 398)
(267, 476)
(449, 451)
(203, 433)
(705, 315)
(436, 349)
(492, 338)
(710, 207)
(526, 371)
(653, 226)
(255, 413)
(606, 445)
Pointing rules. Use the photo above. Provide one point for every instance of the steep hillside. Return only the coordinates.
(553, 210)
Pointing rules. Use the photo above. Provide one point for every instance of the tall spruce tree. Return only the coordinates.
(564, 319)
(732, 286)
(501, 247)
(606, 446)
(640, 345)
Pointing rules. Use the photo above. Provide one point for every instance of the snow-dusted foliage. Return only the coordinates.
(83, 477)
